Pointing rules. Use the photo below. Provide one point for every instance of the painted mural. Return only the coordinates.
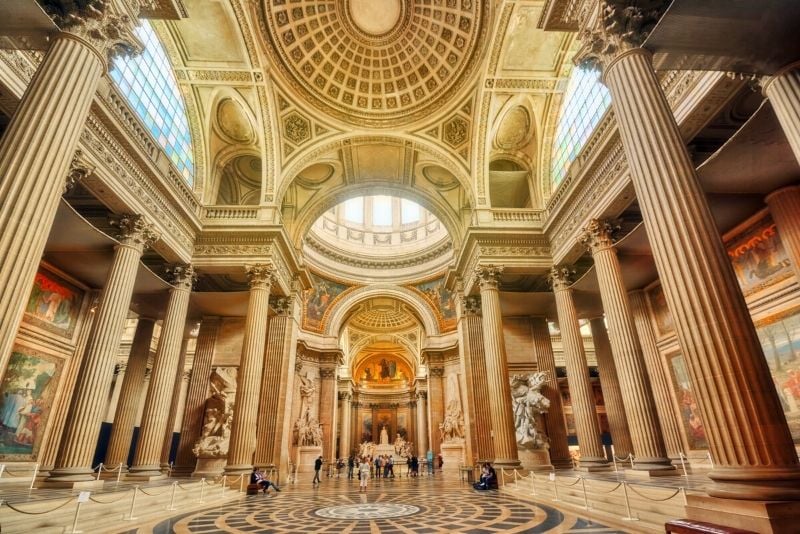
(383, 370)
(690, 415)
(27, 391)
(441, 299)
(780, 339)
(54, 304)
(318, 300)
(758, 256)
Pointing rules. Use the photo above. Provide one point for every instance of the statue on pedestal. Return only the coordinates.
(384, 436)
(452, 428)
(215, 435)
(528, 403)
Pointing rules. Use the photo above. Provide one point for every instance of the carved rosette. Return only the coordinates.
(134, 230)
(598, 235)
(182, 276)
(106, 25)
(488, 276)
(614, 27)
(560, 277)
(260, 276)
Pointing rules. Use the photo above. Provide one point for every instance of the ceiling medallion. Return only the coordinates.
(376, 62)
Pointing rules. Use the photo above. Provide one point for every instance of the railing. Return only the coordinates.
(231, 212)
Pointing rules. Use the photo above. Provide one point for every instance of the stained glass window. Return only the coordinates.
(148, 84)
(585, 103)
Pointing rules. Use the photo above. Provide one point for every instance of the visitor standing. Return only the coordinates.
(363, 474)
(429, 458)
(351, 463)
(317, 467)
(390, 466)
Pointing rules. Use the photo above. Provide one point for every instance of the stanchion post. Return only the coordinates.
(555, 487)
(99, 470)
(171, 506)
(631, 459)
(2, 468)
(533, 483)
(585, 498)
(119, 472)
(710, 459)
(614, 459)
(224, 482)
(683, 492)
(503, 475)
(202, 488)
(132, 517)
(75, 520)
(683, 465)
(627, 503)
(35, 472)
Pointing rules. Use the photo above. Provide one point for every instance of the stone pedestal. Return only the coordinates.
(535, 459)
(209, 467)
(305, 458)
(452, 456)
(757, 516)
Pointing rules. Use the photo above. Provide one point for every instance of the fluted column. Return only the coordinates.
(784, 205)
(554, 418)
(147, 458)
(580, 387)
(185, 460)
(245, 414)
(667, 417)
(435, 406)
(494, 346)
(327, 411)
(345, 447)
(89, 397)
(177, 387)
(277, 386)
(612, 392)
(38, 146)
(470, 333)
(745, 425)
(59, 412)
(783, 91)
(422, 423)
(119, 444)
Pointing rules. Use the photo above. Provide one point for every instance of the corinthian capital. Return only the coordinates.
(560, 277)
(260, 275)
(611, 27)
(598, 235)
(107, 25)
(79, 168)
(134, 230)
(471, 305)
(182, 276)
(489, 276)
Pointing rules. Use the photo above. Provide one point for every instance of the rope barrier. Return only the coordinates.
(62, 505)
(124, 494)
(154, 494)
(612, 490)
(633, 489)
(569, 485)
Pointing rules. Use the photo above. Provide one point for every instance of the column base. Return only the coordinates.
(145, 472)
(143, 477)
(758, 516)
(182, 471)
(506, 463)
(756, 484)
(593, 463)
(72, 478)
(561, 463)
(237, 469)
(650, 473)
(112, 475)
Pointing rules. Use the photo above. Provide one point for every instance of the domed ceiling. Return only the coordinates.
(376, 62)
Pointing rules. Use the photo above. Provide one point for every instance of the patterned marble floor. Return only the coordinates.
(424, 505)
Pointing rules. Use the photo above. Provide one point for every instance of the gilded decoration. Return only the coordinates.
(384, 371)
(440, 299)
(379, 62)
(319, 299)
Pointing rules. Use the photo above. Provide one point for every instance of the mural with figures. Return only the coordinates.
(780, 339)
(318, 300)
(27, 391)
(54, 304)
(383, 370)
(441, 299)
(689, 413)
(758, 256)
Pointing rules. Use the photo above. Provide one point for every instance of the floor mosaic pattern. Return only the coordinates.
(390, 506)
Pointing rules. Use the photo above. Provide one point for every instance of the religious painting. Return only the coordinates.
(54, 303)
(441, 299)
(27, 392)
(318, 300)
(689, 413)
(383, 370)
(758, 256)
(780, 340)
(661, 314)
(366, 427)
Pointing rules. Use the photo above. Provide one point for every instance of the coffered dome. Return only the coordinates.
(376, 61)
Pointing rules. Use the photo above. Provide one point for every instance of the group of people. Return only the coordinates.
(488, 478)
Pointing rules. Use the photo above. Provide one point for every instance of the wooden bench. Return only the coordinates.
(252, 489)
(687, 526)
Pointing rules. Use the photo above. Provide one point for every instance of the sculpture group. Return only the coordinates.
(528, 404)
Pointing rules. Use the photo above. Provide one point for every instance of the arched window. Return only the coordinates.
(148, 84)
(585, 102)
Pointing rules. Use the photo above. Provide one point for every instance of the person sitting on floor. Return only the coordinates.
(257, 477)
(488, 478)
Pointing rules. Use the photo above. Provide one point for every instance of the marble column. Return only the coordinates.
(58, 415)
(147, 458)
(470, 333)
(422, 423)
(177, 387)
(196, 395)
(612, 392)
(345, 447)
(277, 386)
(327, 411)
(38, 146)
(245, 413)
(435, 407)
(119, 444)
(580, 387)
(78, 443)
(667, 417)
(554, 418)
(784, 206)
(746, 429)
(783, 91)
(504, 436)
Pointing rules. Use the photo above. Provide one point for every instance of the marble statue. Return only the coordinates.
(384, 436)
(528, 404)
(452, 428)
(216, 431)
(308, 431)
(402, 447)
(366, 449)
(307, 390)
